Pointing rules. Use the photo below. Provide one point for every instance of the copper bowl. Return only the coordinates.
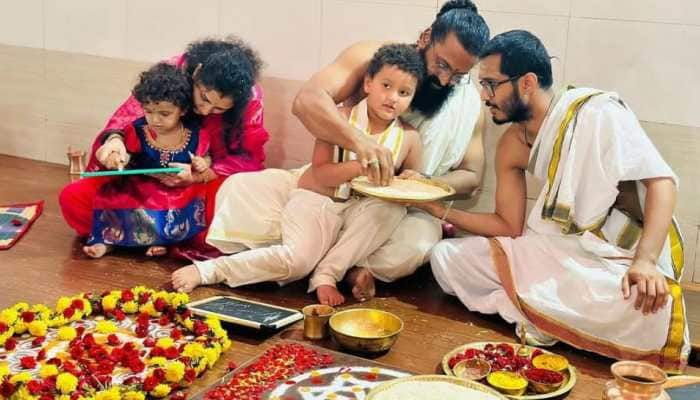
(365, 330)
(639, 377)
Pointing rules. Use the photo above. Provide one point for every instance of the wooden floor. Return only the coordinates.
(47, 263)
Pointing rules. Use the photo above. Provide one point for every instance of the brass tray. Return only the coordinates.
(566, 387)
(362, 185)
(474, 386)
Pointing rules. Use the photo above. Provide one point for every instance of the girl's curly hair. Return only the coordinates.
(164, 82)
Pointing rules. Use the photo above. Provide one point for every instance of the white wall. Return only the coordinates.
(645, 49)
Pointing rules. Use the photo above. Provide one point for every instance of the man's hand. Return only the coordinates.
(652, 289)
(113, 154)
(376, 160)
(182, 178)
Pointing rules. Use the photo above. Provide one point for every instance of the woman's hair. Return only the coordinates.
(230, 67)
(402, 56)
(164, 82)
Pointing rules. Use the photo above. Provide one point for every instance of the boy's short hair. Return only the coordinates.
(164, 82)
(403, 56)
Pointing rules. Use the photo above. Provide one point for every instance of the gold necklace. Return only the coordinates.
(166, 155)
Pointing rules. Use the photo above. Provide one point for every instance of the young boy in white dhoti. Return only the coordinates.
(601, 227)
(322, 225)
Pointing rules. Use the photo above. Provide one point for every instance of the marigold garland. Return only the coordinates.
(78, 364)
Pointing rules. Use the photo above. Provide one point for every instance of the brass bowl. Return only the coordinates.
(365, 330)
(474, 369)
(543, 387)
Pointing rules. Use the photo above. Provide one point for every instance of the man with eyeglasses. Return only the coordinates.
(446, 111)
(601, 226)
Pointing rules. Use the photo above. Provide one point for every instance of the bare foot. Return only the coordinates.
(156, 251)
(329, 295)
(186, 279)
(97, 250)
(362, 283)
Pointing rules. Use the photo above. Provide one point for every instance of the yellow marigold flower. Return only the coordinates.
(66, 382)
(77, 316)
(8, 316)
(20, 327)
(21, 378)
(174, 371)
(213, 322)
(133, 395)
(109, 394)
(227, 344)
(161, 390)
(161, 295)
(211, 355)
(193, 350)
(109, 302)
(105, 327)
(165, 342)
(117, 293)
(159, 361)
(130, 307)
(23, 394)
(67, 333)
(48, 370)
(58, 320)
(20, 307)
(200, 367)
(4, 370)
(3, 338)
(62, 304)
(87, 307)
(43, 311)
(179, 299)
(189, 324)
(149, 309)
(137, 290)
(65, 397)
(37, 328)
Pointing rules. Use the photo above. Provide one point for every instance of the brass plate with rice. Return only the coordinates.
(433, 387)
(408, 190)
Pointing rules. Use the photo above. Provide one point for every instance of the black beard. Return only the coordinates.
(515, 110)
(431, 96)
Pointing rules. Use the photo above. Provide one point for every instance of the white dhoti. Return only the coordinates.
(368, 223)
(407, 249)
(310, 224)
(249, 209)
(564, 275)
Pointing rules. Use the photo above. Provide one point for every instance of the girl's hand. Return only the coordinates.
(113, 154)
(199, 164)
(181, 179)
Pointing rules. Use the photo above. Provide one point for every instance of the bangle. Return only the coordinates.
(449, 206)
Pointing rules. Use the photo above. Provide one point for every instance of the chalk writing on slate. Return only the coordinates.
(262, 314)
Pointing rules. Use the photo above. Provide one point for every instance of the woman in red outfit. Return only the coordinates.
(233, 116)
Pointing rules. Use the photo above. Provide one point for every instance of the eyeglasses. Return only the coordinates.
(491, 86)
(454, 77)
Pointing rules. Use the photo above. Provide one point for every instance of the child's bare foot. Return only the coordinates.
(186, 279)
(329, 295)
(97, 250)
(156, 251)
(362, 283)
